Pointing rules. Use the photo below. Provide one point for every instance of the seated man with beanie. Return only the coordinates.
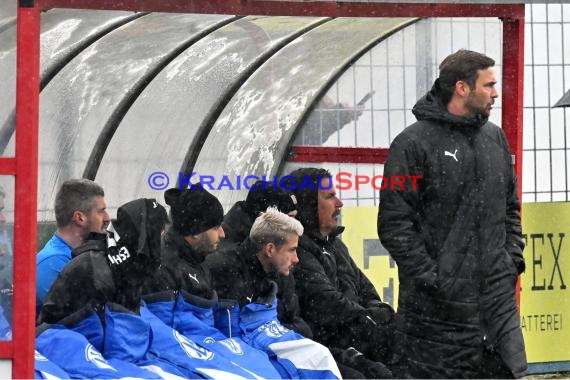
(196, 231)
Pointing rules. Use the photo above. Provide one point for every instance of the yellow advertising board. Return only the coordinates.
(361, 237)
(545, 298)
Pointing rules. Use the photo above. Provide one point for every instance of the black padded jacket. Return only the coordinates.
(456, 238)
(237, 274)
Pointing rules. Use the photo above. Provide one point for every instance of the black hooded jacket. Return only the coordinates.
(110, 267)
(237, 224)
(457, 241)
(237, 274)
(334, 294)
(238, 221)
(181, 268)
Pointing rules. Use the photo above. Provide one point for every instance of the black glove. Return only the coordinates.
(371, 369)
(519, 264)
(381, 314)
(427, 282)
(266, 293)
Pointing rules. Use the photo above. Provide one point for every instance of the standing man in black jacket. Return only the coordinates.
(337, 300)
(456, 236)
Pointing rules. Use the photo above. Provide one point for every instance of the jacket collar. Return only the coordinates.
(182, 248)
(330, 238)
(249, 254)
(94, 242)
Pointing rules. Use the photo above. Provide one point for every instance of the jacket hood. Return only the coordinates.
(134, 237)
(266, 194)
(237, 223)
(431, 107)
(305, 185)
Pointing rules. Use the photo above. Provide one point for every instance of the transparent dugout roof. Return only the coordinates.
(85, 95)
(63, 34)
(137, 93)
(252, 134)
(168, 121)
(7, 13)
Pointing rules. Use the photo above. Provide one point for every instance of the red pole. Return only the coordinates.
(513, 75)
(513, 72)
(25, 213)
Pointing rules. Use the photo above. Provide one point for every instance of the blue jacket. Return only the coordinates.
(212, 357)
(49, 262)
(45, 369)
(193, 317)
(75, 355)
(262, 330)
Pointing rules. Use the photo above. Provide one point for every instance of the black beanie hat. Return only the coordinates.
(193, 210)
(265, 194)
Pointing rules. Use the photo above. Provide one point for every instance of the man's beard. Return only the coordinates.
(473, 109)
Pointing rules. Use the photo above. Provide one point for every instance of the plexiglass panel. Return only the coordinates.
(177, 107)
(7, 70)
(6, 255)
(373, 99)
(252, 133)
(83, 97)
(7, 13)
(63, 33)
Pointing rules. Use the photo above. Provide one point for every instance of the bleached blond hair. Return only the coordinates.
(273, 226)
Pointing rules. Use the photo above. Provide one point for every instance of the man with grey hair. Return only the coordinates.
(79, 210)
